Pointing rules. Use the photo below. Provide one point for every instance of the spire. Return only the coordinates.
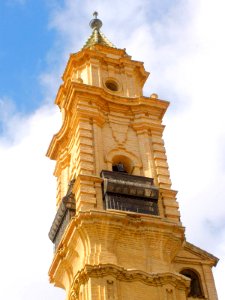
(97, 37)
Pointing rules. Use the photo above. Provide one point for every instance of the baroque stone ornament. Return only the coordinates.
(74, 294)
(121, 274)
(119, 129)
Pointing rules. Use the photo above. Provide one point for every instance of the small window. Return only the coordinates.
(195, 287)
(112, 85)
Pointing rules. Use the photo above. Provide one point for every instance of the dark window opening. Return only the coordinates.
(119, 168)
(195, 287)
(112, 85)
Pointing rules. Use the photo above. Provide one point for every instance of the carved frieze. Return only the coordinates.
(152, 279)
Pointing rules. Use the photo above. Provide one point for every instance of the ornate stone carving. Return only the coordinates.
(121, 274)
(169, 294)
(62, 251)
(74, 294)
(110, 290)
(119, 128)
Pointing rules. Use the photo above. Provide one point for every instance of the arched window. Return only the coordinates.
(121, 163)
(195, 287)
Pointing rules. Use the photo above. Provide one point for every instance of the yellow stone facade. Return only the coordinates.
(113, 254)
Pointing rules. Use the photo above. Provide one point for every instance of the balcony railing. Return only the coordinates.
(66, 211)
(129, 193)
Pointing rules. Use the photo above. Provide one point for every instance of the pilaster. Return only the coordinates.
(171, 207)
(87, 192)
(145, 151)
(210, 284)
(160, 159)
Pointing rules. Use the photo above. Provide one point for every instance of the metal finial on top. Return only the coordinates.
(95, 23)
(95, 14)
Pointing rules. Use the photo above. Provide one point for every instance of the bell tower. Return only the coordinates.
(117, 231)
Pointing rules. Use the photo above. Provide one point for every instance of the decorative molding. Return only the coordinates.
(169, 294)
(122, 274)
(110, 290)
(119, 126)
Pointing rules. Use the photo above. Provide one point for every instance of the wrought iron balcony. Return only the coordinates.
(129, 193)
(62, 218)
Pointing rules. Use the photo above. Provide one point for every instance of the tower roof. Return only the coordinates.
(97, 37)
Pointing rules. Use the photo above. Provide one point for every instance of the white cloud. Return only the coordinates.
(182, 44)
(27, 207)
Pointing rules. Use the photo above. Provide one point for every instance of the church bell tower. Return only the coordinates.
(117, 232)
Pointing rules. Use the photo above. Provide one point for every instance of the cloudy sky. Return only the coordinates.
(182, 44)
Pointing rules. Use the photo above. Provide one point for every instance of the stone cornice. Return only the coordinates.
(151, 279)
(168, 192)
(141, 221)
(143, 127)
(134, 103)
(201, 255)
(106, 55)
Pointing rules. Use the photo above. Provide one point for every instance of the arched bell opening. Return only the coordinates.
(120, 160)
(195, 286)
(121, 163)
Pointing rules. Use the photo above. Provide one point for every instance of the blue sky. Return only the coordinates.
(182, 45)
(25, 41)
(28, 37)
